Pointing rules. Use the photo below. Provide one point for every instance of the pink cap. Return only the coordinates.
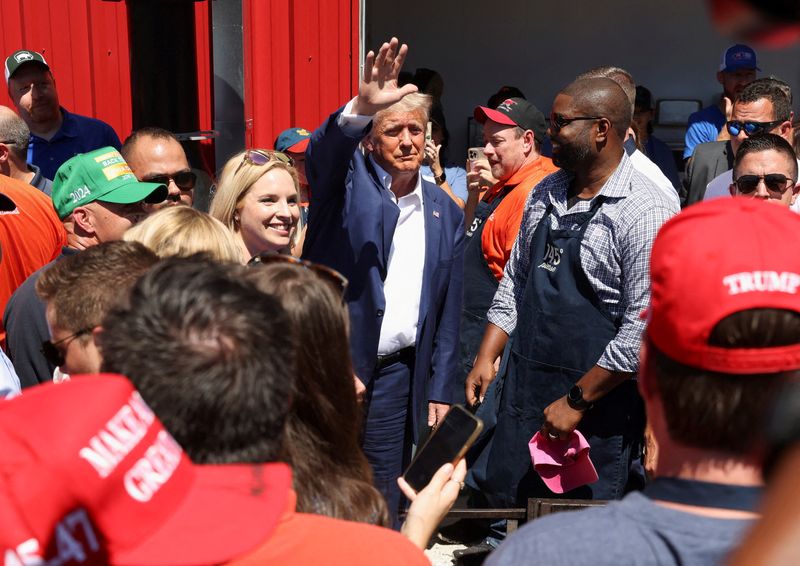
(563, 465)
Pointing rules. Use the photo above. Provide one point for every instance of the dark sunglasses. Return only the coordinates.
(185, 180)
(53, 354)
(751, 128)
(260, 157)
(557, 121)
(775, 183)
(329, 275)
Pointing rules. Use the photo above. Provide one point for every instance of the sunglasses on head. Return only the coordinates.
(751, 128)
(53, 354)
(260, 157)
(336, 279)
(558, 121)
(775, 183)
(185, 180)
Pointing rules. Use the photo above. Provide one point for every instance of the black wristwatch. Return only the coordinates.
(440, 178)
(575, 399)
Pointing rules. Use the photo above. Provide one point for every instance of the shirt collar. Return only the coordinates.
(616, 186)
(69, 126)
(386, 181)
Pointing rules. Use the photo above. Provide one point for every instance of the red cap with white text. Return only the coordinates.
(89, 475)
(715, 259)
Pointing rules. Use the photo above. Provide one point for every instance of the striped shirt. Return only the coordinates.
(614, 254)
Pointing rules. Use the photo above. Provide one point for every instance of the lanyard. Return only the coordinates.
(704, 494)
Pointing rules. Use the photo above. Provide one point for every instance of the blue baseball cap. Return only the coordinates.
(737, 57)
(293, 139)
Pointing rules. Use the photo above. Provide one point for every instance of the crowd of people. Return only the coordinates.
(247, 385)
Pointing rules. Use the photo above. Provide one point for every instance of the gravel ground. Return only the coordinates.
(442, 554)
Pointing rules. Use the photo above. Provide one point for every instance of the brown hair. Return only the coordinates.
(331, 474)
(719, 411)
(83, 287)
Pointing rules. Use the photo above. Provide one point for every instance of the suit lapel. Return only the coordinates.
(390, 213)
(432, 210)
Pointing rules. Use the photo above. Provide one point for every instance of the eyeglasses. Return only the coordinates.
(331, 276)
(751, 128)
(53, 354)
(775, 183)
(260, 157)
(558, 121)
(184, 180)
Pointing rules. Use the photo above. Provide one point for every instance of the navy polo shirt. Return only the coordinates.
(78, 134)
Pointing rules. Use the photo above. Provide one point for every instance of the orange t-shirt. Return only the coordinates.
(501, 228)
(315, 540)
(31, 235)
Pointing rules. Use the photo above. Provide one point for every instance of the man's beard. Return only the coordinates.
(571, 156)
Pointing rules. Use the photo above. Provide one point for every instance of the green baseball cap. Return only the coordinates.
(101, 175)
(20, 58)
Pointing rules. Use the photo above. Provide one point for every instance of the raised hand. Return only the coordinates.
(378, 87)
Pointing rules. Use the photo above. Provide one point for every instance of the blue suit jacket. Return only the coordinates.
(351, 223)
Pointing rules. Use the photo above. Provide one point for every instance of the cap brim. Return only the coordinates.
(136, 192)
(230, 510)
(482, 113)
(299, 147)
(561, 479)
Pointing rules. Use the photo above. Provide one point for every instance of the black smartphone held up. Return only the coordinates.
(449, 442)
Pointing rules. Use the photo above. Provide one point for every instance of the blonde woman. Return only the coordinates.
(183, 231)
(257, 198)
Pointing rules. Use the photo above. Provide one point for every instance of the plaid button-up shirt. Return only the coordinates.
(615, 253)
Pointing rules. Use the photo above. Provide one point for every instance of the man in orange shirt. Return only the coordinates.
(30, 235)
(513, 134)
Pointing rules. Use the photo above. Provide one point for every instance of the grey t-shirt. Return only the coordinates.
(631, 531)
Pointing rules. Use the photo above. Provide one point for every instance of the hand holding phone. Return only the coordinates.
(475, 154)
(447, 444)
(430, 505)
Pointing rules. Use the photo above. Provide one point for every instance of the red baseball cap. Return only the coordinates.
(514, 112)
(89, 475)
(563, 465)
(715, 259)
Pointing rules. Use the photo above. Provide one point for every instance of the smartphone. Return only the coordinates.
(450, 441)
(475, 154)
(429, 132)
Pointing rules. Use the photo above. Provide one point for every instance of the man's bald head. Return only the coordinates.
(14, 132)
(617, 74)
(601, 97)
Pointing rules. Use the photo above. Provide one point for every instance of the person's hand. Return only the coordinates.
(436, 412)
(478, 380)
(378, 88)
(432, 157)
(361, 389)
(431, 504)
(479, 176)
(560, 419)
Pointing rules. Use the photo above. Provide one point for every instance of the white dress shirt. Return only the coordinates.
(402, 287)
(719, 187)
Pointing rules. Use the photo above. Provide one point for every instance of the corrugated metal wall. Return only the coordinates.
(300, 62)
(86, 44)
(300, 59)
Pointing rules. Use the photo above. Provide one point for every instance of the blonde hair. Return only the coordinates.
(233, 185)
(183, 231)
(414, 102)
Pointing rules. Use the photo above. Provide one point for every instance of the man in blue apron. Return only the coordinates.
(723, 334)
(513, 134)
(572, 293)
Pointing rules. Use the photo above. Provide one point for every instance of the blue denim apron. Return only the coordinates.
(480, 286)
(562, 330)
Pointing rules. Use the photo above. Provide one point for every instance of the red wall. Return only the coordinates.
(85, 42)
(300, 58)
(300, 63)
